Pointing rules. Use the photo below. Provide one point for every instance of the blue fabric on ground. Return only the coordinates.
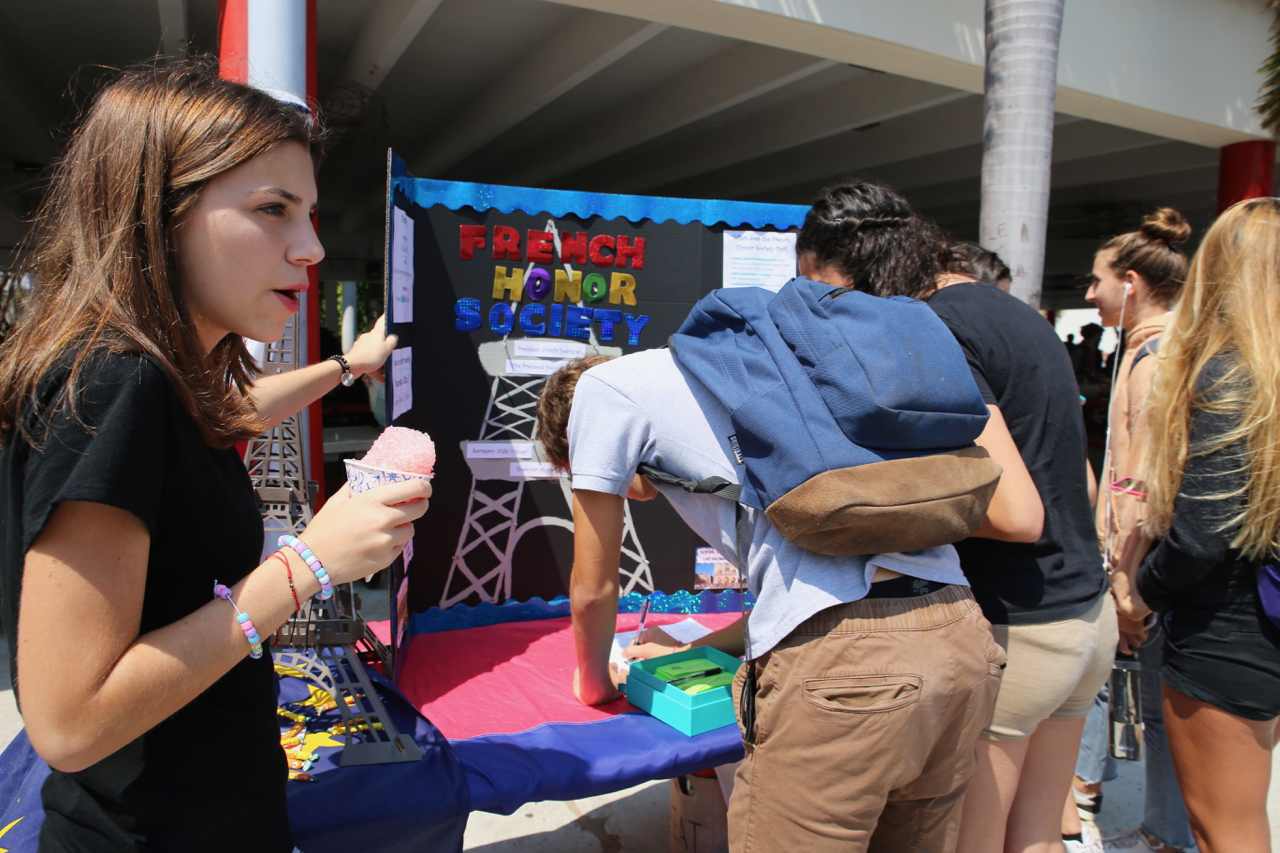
(389, 808)
(22, 772)
(569, 761)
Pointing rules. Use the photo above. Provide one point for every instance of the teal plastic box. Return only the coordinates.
(690, 715)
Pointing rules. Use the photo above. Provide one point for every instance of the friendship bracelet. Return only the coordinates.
(246, 624)
(288, 570)
(313, 563)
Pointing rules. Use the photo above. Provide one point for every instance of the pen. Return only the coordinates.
(691, 676)
(644, 614)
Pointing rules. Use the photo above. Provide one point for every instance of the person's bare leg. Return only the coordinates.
(1071, 817)
(1035, 821)
(1071, 822)
(1223, 764)
(990, 795)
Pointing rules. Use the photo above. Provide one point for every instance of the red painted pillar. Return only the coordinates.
(271, 44)
(233, 40)
(314, 417)
(1246, 170)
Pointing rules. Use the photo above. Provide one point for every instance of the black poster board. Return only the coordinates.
(481, 294)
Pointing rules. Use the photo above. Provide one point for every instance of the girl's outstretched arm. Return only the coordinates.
(279, 396)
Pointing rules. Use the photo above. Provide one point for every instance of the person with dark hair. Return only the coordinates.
(1045, 597)
(868, 677)
(1087, 361)
(868, 238)
(177, 224)
(1136, 280)
(982, 264)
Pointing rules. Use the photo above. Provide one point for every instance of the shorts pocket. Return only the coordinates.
(863, 694)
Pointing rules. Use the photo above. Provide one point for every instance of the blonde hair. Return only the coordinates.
(1229, 310)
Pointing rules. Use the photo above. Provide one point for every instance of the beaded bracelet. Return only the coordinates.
(246, 624)
(313, 563)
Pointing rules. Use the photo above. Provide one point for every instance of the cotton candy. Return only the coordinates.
(403, 449)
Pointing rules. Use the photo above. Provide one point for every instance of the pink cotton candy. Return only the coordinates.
(403, 449)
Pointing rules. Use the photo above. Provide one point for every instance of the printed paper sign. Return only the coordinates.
(401, 381)
(548, 349)
(534, 366)
(500, 450)
(534, 470)
(713, 571)
(759, 259)
(401, 267)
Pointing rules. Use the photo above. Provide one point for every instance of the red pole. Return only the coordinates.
(277, 33)
(314, 426)
(233, 40)
(1246, 170)
(233, 64)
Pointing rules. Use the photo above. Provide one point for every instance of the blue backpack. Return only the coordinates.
(854, 416)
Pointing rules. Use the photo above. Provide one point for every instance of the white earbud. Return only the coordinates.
(1128, 286)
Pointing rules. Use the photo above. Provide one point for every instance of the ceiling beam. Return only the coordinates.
(589, 43)
(1075, 141)
(954, 123)
(388, 30)
(1148, 172)
(738, 75)
(175, 35)
(865, 100)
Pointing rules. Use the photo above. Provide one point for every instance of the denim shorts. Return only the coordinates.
(1229, 658)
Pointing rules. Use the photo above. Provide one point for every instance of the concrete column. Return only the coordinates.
(349, 290)
(1018, 108)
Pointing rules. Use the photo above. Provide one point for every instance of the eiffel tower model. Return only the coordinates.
(318, 642)
(491, 530)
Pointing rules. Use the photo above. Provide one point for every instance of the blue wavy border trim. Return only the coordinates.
(455, 195)
(462, 616)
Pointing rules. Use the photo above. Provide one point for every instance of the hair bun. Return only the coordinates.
(1168, 225)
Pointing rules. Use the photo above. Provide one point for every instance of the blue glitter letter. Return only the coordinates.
(501, 318)
(634, 326)
(577, 322)
(527, 324)
(468, 313)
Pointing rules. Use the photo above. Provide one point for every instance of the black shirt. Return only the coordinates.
(1021, 366)
(1193, 566)
(212, 776)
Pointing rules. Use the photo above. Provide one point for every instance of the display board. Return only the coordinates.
(489, 290)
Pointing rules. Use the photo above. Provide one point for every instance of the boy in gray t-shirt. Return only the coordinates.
(872, 675)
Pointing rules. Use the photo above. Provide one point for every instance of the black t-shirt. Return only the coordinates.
(212, 776)
(1021, 366)
(1193, 566)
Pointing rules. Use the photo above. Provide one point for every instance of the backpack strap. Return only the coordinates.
(718, 486)
(1147, 349)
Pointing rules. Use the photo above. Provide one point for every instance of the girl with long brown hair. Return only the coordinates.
(177, 224)
(1212, 465)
